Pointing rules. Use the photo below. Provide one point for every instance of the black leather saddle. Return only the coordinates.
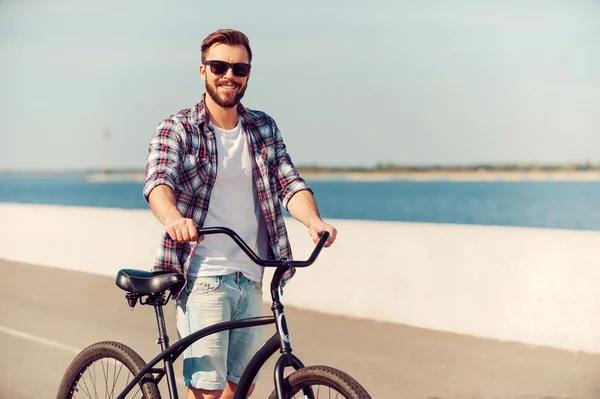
(145, 283)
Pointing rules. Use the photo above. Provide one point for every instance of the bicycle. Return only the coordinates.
(156, 289)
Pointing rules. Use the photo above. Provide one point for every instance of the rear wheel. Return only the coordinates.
(314, 382)
(103, 370)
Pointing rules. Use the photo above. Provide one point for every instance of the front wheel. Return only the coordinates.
(315, 382)
(103, 370)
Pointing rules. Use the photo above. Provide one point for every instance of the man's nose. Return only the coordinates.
(229, 74)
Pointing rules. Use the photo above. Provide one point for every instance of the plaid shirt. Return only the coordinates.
(183, 155)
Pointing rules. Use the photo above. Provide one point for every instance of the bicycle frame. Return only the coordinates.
(169, 354)
(279, 340)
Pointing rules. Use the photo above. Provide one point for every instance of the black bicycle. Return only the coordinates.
(101, 367)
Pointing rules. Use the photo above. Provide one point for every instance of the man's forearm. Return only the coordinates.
(163, 205)
(303, 208)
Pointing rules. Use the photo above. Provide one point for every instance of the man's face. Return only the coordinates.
(225, 89)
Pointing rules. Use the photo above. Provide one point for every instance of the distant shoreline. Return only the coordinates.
(366, 175)
(482, 176)
(454, 176)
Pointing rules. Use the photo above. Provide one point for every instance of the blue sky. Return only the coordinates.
(348, 83)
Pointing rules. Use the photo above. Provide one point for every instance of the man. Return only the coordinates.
(220, 164)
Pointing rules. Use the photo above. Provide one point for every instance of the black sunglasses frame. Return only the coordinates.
(235, 68)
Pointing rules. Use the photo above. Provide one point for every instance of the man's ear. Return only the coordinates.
(203, 72)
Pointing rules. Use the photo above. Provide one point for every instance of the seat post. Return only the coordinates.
(163, 340)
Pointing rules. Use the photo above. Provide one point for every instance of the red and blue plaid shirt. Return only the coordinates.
(183, 155)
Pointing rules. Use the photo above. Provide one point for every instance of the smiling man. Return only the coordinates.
(221, 164)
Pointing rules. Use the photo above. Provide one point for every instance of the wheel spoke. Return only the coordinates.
(105, 373)
(92, 380)
(116, 377)
(136, 392)
(306, 383)
(116, 364)
(114, 383)
(110, 381)
(86, 391)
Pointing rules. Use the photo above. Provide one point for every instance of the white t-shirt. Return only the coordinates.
(233, 204)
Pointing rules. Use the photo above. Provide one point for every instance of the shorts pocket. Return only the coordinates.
(202, 284)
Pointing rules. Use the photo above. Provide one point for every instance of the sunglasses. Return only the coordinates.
(221, 67)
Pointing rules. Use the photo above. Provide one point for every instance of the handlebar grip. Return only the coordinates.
(324, 236)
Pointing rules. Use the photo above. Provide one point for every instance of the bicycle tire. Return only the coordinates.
(323, 375)
(106, 350)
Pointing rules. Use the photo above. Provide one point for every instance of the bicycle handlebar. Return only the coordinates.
(270, 262)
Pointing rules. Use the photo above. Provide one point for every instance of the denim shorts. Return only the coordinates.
(218, 357)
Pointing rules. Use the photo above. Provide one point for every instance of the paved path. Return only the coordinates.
(48, 314)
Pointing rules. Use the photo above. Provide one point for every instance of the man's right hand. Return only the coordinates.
(183, 230)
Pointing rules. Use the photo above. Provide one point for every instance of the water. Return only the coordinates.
(546, 204)
(565, 205)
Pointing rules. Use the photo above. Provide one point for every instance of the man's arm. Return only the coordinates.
(303, 207)
(296, 195)
(162, 171)
(162, 202)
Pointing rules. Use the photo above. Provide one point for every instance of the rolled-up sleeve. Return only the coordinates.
(287, 175)
(162, 165)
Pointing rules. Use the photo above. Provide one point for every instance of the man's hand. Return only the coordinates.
(183, 230)
(303, 207)
(162, 203)
(319, 226)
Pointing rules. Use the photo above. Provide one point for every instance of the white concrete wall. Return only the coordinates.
(529, 285)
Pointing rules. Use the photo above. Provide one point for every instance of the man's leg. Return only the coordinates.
(230, 389)
(243, 342)
(205, 302)
(227, 393)
(203, 394)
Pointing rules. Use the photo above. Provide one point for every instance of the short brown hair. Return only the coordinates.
(226, 36)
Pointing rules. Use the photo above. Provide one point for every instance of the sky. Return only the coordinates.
(349, 83)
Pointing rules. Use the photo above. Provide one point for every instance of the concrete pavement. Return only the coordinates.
(48, 314)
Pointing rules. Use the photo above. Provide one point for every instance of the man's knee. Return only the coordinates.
(231, 387)
(195, 393)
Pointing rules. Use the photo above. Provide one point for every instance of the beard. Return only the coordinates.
(223, 101)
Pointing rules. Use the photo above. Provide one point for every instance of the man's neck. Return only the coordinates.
(225, 118)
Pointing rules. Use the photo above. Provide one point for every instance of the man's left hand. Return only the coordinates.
(320, 226)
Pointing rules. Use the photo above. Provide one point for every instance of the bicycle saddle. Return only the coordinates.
(144, 282)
